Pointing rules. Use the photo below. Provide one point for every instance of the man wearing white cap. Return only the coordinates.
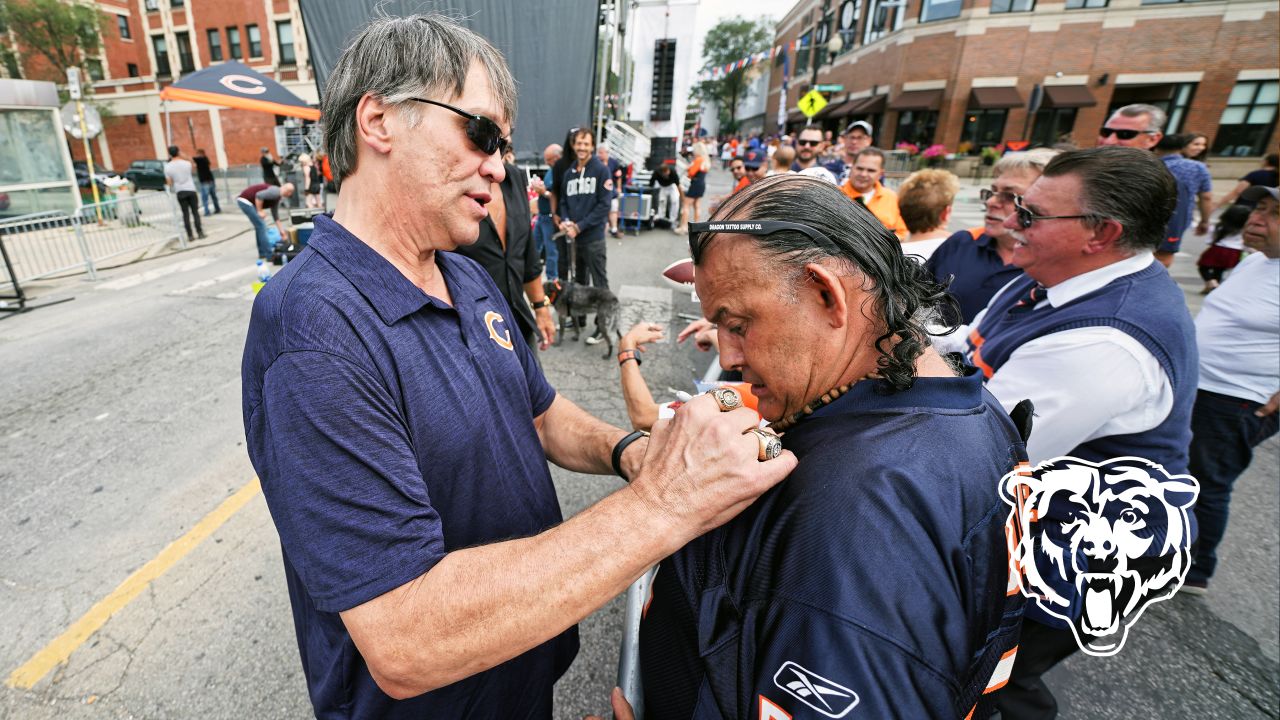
(857, 137)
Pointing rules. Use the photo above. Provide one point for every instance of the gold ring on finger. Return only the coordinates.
(727, 398)
(770, 444)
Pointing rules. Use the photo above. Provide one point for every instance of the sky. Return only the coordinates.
(711, 12)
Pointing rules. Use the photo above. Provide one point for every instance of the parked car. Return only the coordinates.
(146, 174)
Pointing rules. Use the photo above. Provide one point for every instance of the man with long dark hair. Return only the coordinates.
(876, 575)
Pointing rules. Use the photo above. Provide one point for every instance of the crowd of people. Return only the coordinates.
(856, 545)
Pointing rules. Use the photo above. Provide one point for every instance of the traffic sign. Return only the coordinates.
(91, 126)
(812, 103)
(73, 83)
(829, 88)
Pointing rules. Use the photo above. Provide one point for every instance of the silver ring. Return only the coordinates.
(727, 398)
(770, 444)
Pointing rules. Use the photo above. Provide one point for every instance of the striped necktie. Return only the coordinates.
(1029, 299)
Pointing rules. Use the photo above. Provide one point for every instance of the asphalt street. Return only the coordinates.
(141, 574)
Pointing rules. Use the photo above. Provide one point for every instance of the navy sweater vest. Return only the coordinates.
(1146, 305)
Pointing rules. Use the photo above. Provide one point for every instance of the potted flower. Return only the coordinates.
(990, 155)
(910, 148)
(934, 155)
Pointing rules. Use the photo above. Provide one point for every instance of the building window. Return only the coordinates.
(122, 22)
(11, 63)
(850, 11)
(132, 69)
(215, 44)
(1052, 126)
(152, 5)
(1248, 118)
(1079, 4)
(177, 3)
(162, 54)
(284, 35)
(233, 43)
(931, 10)
(803, 49)
(882, 17)
(821, 35)
(93, 66)
(1008, 6)
(185, 60)
(917, 127)
(984, 127)
(1165, 2)
(255, 41)
(1172, 98)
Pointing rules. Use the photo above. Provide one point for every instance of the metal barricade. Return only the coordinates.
(54, 243)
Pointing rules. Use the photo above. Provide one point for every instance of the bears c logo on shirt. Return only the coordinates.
(503, 340)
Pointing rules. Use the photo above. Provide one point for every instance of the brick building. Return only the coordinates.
(963, 73)
(148, 44)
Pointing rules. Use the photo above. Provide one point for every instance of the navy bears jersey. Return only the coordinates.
(873, 582)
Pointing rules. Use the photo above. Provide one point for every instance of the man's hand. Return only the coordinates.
(621, 708)
(700, 469)
(641, 334)
(1202, 228)
(570, 228)
(704, 335)
(546, 327)
(537, 186)
(1270, 408)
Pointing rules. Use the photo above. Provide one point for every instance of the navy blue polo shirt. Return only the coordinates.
(389, 428)
(977, 269)
(874, 578)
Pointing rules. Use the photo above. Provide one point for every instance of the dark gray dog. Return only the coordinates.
(573, 300)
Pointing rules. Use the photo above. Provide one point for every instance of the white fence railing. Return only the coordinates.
(54, 243)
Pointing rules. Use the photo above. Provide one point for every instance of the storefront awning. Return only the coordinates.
(992, 98)
(917, 100)
(873, 105)
(1068, 96)
(795, 116)
(832, 111)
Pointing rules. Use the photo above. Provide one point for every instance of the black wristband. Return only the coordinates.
(622, 445)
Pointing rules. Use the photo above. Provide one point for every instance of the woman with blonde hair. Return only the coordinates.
(312, 183)
(697, 187)
(924, 201)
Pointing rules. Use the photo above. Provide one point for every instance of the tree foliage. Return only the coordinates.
(728, 41)
(64, 34)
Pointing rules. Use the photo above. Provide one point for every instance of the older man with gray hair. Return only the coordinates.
(401, 430)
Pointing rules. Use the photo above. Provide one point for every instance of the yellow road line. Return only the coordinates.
(57, 652)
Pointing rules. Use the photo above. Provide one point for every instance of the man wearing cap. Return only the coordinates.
(1238, 334)
(863, 186)
(857, 137)
(754, 164)
(1097, 335)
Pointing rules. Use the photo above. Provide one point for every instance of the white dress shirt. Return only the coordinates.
(1086, 383)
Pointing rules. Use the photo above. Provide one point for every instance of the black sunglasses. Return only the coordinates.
(813, 143)
(1123, 134)
(481, 131)
(1026, 218)
(1003, 196)
(761, 228)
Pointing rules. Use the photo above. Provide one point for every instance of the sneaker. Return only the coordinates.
(202, 236)
(1195, 587)
(596, 338)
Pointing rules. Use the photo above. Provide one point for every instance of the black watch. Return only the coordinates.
(539, 304)
(622, 445)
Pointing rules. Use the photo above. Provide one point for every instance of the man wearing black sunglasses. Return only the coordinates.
(1136, 126)
(808, 146)
(401, 428)
(1098, 336)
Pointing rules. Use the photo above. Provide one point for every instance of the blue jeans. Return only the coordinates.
(209, 190)
(1224, 433)
(543, 232)
(265, 247)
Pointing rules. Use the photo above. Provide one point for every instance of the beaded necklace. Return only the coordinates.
(827, 398)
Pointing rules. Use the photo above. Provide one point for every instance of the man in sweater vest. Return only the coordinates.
(1097, 335)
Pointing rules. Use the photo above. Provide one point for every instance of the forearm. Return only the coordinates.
(574, 440)
(641, 408)
(481, 606)
(1206, 207)
(534, 291)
